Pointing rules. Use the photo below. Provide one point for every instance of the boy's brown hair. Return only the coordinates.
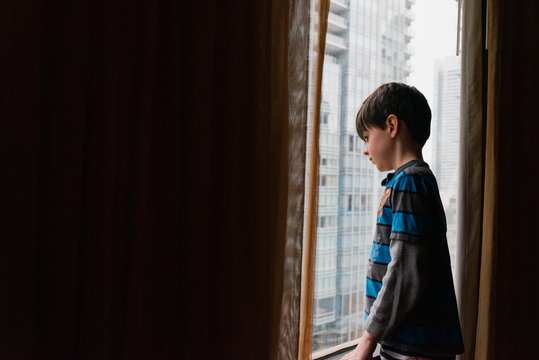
(405, 102)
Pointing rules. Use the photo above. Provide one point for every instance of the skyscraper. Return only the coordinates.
(445, 138)
(367, 44)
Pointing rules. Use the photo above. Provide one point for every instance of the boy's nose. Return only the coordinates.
(365, 150)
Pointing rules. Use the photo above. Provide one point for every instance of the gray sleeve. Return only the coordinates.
(403, 284)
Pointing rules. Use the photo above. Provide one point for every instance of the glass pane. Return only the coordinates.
(371, 42)
(436, 72)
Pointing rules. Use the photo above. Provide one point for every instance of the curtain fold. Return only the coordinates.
(471, 169)
(287, 346)
(485, 333)
(153, 172)
(307, 292)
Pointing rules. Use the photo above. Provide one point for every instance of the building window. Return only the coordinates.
(324, 118)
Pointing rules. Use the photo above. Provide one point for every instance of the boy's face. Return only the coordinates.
(379, 148)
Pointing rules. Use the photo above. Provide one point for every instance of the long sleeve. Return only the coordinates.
(403, 284)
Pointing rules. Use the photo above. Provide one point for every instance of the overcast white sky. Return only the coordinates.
(435, 28)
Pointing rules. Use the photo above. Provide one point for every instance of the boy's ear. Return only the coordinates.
(392, 123)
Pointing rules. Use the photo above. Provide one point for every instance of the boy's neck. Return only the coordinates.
(406, 155)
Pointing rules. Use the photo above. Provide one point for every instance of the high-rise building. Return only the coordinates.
(445, 138)
(367, 44)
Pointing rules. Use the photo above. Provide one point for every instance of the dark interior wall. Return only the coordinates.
(516, 315)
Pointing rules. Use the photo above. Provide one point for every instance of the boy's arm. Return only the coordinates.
(403, 284)
(406, 274)
(364, 349)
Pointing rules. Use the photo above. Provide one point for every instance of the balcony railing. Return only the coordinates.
(409, 14)
(334, 43)
(337, 40)
(409, 35)
(338, 5)
(336, 23)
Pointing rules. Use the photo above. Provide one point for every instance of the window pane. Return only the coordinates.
(370, 42)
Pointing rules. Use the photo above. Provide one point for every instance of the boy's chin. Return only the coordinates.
(382, 168)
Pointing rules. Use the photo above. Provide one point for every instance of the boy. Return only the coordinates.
(410, 305)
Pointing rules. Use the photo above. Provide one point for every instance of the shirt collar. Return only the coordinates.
(407, 165)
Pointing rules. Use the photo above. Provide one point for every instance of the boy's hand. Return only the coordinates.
(364, 349)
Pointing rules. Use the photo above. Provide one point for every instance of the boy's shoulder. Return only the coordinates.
(416, 168)
(414, 176)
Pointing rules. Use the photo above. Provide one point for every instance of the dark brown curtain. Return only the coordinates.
(513, 95)
(498, 240)
(152, 152)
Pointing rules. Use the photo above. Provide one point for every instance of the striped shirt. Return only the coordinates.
(410, 297)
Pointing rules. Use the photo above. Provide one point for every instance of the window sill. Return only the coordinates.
(336, 352)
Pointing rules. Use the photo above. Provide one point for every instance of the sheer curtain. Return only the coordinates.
(153, 155)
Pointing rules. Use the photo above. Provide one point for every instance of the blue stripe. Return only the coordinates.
(419, 335)
(396, 179)
(365, 316)
(380, 253)
(386, 218)
(411, 184)
(373, 288)
(411, 224)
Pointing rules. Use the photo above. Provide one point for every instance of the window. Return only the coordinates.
(327, 222)
(365, 202)
(324, 118)
(394, 40)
